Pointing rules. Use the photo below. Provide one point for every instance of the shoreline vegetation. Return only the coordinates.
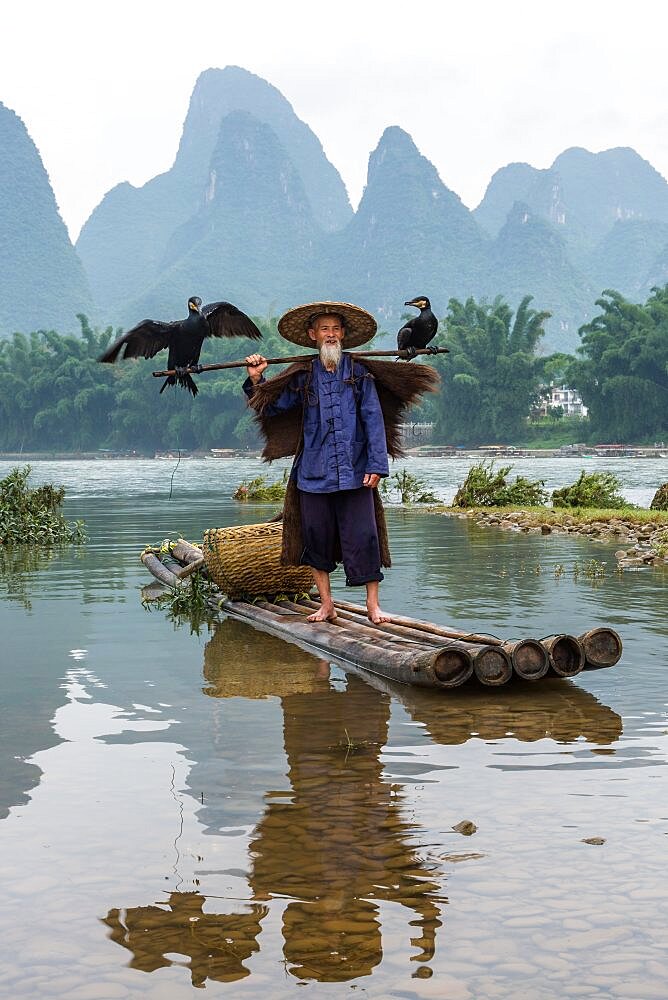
(495, 393)
(642, 534)
(33, 516)
(591, 507)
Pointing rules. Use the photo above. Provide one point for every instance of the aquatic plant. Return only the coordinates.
(593, 489)
(486, 486)
(660, 498)
(411, 489)
(33, 516)
(192, 601)
(258, 490)
(591, 569)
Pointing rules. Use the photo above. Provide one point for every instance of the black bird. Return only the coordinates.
(417, 332)
(184, 338)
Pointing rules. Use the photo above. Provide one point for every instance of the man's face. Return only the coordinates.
(326, 330)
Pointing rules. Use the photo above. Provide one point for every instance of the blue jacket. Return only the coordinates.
(344, 432)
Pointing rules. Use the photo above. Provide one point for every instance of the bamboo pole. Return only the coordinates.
(417, 624)
(370, 634)
(491, 663)
(566, 654)
(185, 551)
(528, 657)
(190, 568)
(424, 667)
(602, 648)
(384, 627)
(160, 572)
(198, 369)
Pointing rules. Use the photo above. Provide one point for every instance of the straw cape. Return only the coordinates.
(360, 326)
(398, 386)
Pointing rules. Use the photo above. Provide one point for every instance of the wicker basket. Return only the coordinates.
(245, 561)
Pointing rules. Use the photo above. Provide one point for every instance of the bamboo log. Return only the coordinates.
(491, 664)
(369, 630)
(529, 658)
(424, 667)
(379, 640)
(190, 568)
(602, 648)
(220, 366)
(566, 654)
(160, 572)
(184, 551)
(360, 615)
(428, 627)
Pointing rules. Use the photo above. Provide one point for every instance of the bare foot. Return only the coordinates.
(326, 613)
(375, 615)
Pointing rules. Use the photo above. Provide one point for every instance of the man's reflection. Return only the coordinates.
(340, 841)
(216, 945)
(337, 842)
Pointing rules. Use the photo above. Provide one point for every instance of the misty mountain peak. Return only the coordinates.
(42, 282)
(396, 150)
(220, 92)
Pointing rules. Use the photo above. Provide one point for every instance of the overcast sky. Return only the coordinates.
(103, 85)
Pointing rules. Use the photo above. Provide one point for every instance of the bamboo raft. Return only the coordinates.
(404, 650)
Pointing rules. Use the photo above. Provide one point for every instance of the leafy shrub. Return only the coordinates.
(486, 486)
(660, 499)
(33, 516)
(411, 489)
(258, 490)
(593, 489)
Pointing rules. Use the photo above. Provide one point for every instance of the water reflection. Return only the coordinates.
(216, 945)
(337, 840)
(555, 708)
(18, 566)
(335, 843)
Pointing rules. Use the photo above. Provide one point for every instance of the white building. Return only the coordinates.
(568, 399)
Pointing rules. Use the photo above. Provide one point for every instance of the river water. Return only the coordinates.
(224, 810)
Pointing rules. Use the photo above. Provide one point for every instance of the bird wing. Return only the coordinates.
(404, 338)
(225, 320)
(142, 341)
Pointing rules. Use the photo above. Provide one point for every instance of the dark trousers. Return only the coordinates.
(343, 522)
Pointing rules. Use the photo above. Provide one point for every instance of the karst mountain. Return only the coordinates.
(253, 211)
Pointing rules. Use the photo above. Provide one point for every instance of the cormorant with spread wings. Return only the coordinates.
(184, 338)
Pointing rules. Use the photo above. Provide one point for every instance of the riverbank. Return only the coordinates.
(424, 452)
(643, 533)
(567, 451)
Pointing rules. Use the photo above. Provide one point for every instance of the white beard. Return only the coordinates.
(330, 355)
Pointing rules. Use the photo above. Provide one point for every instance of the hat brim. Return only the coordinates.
(360, 326)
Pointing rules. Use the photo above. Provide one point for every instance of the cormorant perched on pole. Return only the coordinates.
(417, 332)
(184, 338)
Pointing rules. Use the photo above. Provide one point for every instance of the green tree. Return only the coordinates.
(622, 373)
(492, 376)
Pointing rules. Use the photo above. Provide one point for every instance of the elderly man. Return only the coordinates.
(342, 454)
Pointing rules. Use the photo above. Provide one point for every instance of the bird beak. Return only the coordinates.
(411, 302)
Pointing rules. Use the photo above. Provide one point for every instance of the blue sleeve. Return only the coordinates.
(371, 417)
(288, 399)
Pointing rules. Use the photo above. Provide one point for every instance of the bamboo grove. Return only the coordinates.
(55, 396)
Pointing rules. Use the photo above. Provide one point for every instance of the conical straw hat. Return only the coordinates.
(360, 326)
